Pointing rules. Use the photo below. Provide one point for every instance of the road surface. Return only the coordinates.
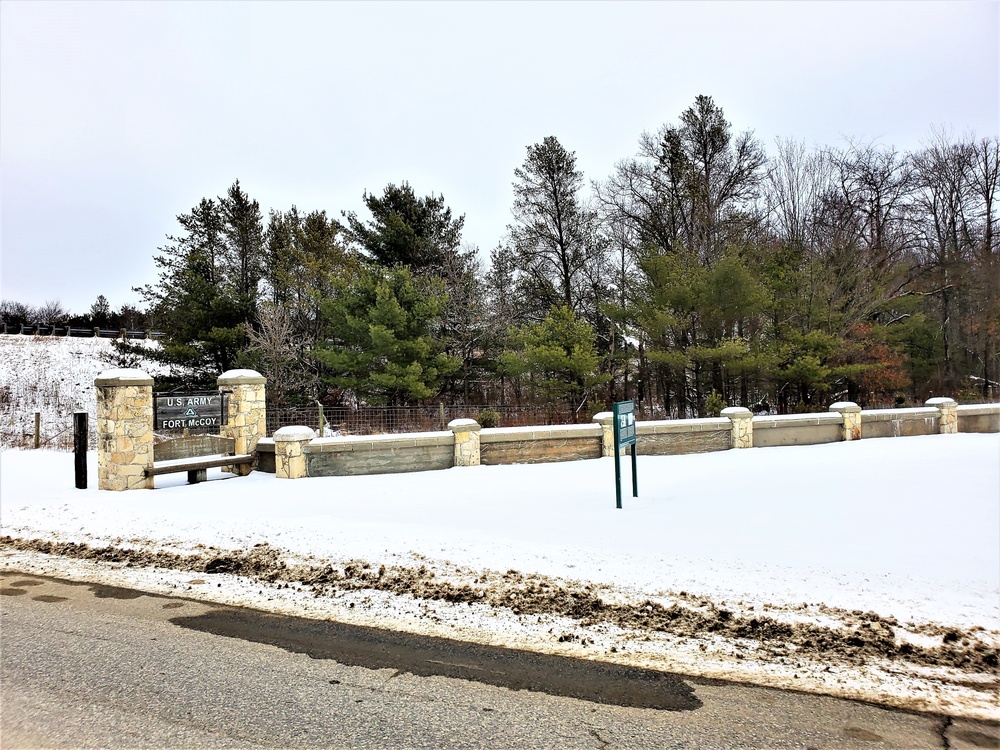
(84, 665)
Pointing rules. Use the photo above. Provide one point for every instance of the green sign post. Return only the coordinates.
(624, 422)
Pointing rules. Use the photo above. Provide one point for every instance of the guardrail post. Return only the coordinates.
(742, 419)
(947, 414)
(466, 441)
(850, 412)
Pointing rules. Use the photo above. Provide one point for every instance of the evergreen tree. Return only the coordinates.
(380, 341)
(207, 290)
(558, 358)
(418, 233)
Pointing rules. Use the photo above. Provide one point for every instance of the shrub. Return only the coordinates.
(489, 418)
(714, 404)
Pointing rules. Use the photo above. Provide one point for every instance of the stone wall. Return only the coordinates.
(380, 454)
(671, 437)
(797, 429)
(467, 445)
(979, 418)
(899, 422)
(530, 445)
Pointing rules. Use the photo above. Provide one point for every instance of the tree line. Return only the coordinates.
(52, 314)
(703, 271)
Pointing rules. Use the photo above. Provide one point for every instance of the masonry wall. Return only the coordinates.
(531, 445)
(899, 422)
(379, 454)
(674, 437)
(979, 418)
(797, 429)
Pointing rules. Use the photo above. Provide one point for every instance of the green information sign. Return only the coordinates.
(624, 428)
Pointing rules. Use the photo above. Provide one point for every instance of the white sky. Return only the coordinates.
(115, 117)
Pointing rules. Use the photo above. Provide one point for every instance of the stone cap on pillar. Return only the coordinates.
(240, 377)
(293, 434)
(464, 425)
(845, 407)
(122, 377)
(604, 417)
(941, 402)
(737, 412)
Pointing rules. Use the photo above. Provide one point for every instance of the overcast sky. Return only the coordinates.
(115, 117)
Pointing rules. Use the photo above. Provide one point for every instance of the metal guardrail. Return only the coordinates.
(104, 333)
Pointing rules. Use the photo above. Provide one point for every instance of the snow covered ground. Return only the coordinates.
(52, 375)
(867, 569)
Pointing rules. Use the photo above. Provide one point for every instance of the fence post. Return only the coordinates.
(38, 429)
(80, 437)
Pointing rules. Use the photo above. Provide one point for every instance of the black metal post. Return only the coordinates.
(80, 438)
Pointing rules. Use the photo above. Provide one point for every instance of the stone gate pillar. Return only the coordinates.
(246, 415)
(124, 429)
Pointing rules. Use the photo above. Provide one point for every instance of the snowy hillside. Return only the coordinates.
(53, 376)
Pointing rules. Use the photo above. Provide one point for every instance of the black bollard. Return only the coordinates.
(80, 437)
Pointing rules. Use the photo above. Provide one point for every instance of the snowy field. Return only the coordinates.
(53, 375)
(898, 536)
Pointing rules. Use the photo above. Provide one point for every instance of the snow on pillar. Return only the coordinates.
(466, 441)
(124, 429)
(289, 458)
(850, 412)
(742, 419)
(947, 414)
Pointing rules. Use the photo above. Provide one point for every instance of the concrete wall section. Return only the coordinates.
(979, 418)
(531, 445)
(899, 422)
(380, 454)
(675, 437)
(797, 429)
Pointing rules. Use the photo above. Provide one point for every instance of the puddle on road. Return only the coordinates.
(426, 656)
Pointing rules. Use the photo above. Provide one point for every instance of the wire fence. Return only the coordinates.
(53, 435)
(374, 420)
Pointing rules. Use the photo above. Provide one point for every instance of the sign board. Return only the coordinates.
(624, 433)
(180, 411)
(624, 412)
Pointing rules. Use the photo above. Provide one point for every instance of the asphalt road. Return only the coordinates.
(83, 665)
